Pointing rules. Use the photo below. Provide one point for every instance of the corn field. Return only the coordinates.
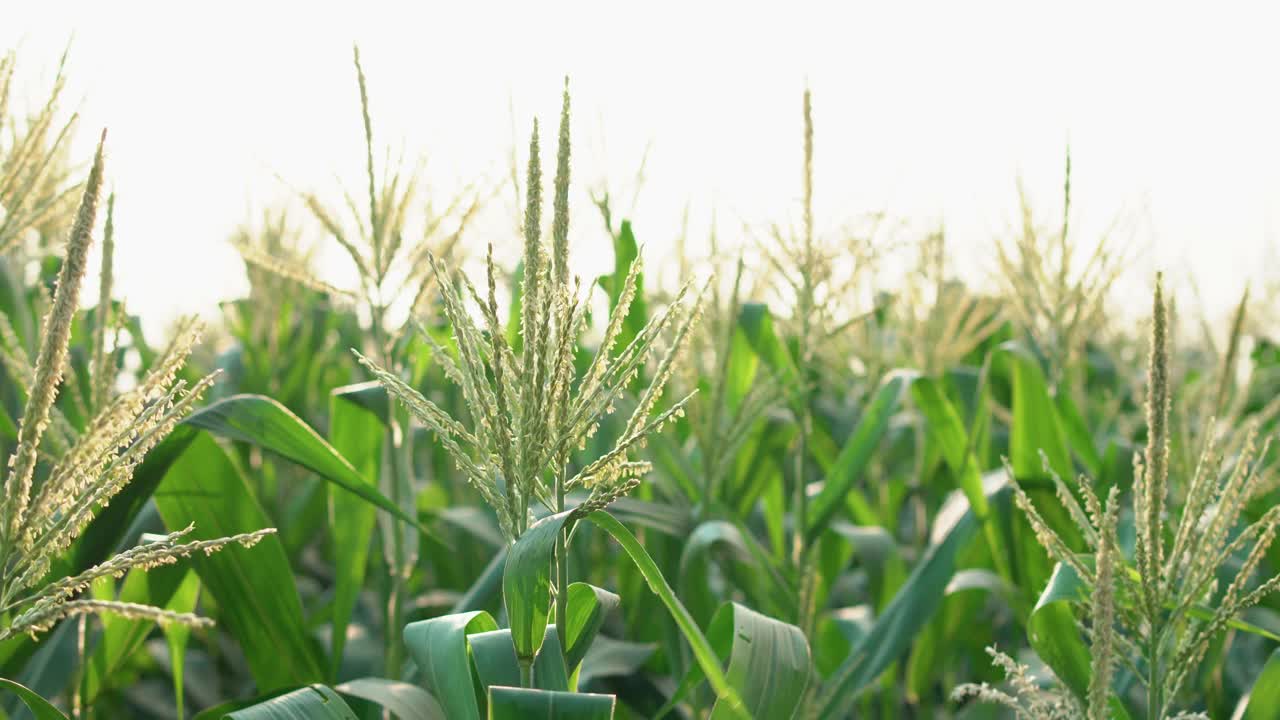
(458, 489)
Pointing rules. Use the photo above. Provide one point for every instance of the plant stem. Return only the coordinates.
(799, 548)
(562, 572)
(395, 596)
(1155, 683)
(526, 673)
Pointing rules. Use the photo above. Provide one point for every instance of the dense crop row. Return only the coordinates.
(436, 495)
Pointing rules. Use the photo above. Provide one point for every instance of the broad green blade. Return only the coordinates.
(513, 703)
(584, 616)
(405, 701)
(857, 452)
(176, 635)
(316, 702)
(219, 711)
(120, 636)
(526, 584)
(358, 434)
(494, 658)
(38, 705)
(442, 652)
(1263, 701)
(703, 653)
(756, 323)
(947, 428)
(769, 661)
(1077, 432)
(261, 421)
(257, 599)
(1054, 635)
(1036, 427)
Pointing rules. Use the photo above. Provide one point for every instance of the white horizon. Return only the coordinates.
(930, 113)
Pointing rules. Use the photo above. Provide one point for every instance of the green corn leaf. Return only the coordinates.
(1036, 427)
(316, 702)
(526, 584)
(1263, 701)
(585, 613)
(405, 701)
(176, 635)
(703, 653)
(1055, 636)
(358, 434)
(261, 421)
(513, 703)
(121, 637)
(1077, 433)
(442, 651)
(1053, 633)
(947, 428)
(692, 579)
(257, 600)
(768, 662)
(756, 323)
(857, 452)
(38, 705)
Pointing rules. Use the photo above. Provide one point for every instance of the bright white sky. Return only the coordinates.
(928, 111)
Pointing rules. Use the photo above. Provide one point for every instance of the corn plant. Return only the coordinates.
(1158, 618)
(43, 514)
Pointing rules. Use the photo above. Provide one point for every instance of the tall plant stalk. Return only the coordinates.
(805, 306)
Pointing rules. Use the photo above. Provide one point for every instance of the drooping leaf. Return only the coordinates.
(405, 701)
(1055, 636)
(768, 662)
(261, 421)
(40, 707)
(946, 426)
(316, 702)
(257, 600)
